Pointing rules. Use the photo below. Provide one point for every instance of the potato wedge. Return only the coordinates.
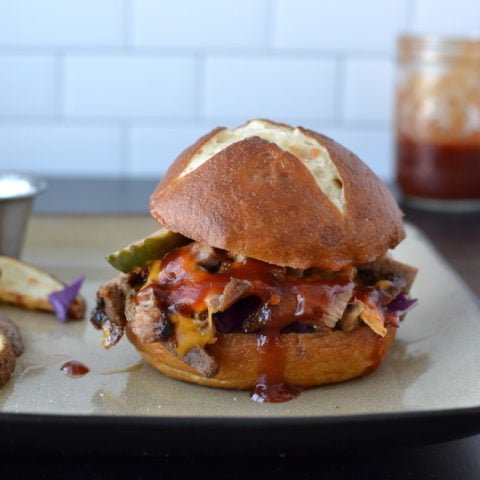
(12, 332)
(25, 286)
(7, 360)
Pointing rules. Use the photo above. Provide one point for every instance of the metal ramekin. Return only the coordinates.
(17, 193)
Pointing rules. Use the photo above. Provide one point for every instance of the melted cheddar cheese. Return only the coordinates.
(191, 333)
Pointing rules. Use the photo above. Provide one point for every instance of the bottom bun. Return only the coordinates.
(310, 359)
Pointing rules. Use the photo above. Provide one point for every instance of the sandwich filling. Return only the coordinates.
(196, 293)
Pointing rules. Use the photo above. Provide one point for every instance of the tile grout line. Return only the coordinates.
(234, 52)
(98, 121)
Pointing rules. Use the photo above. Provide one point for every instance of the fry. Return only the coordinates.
(28, 287)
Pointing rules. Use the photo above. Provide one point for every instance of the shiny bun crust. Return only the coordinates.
(290, 197)
(311, 359)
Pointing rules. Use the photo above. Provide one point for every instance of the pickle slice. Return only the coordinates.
(139, 253)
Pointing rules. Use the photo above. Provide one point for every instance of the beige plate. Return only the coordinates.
(434, 365)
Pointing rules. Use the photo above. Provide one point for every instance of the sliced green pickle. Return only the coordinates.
(139, 253)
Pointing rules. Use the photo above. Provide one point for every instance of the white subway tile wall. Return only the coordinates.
(120, 87)
(339, 25)
(28, 85)
(52, 148)
(200, 24)
(369, 90)
(125, 86)
(269, 87)
(63, 23)
(153, 148)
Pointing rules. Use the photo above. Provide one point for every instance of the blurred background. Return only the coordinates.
(117, 88)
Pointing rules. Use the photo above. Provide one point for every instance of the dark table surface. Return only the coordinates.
(457, 237)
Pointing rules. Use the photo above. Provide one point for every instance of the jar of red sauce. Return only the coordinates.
(438, 122)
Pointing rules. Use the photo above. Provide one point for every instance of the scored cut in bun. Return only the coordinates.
(286, 196)
(310, 359)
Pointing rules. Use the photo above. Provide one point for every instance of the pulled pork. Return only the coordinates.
(199, 286)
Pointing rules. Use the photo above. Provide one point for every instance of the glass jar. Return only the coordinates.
(437, 122)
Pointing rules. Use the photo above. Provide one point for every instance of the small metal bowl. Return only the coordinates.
(17, 193)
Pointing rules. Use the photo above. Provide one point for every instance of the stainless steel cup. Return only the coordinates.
(17, 193)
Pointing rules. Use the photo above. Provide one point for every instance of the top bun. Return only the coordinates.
(287, 196)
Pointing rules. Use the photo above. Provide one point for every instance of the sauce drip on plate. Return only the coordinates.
(74, 368)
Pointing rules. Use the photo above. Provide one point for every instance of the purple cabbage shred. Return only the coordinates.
(61, 300)
(401, 304)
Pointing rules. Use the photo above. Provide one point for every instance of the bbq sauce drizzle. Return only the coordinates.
(271, 386)
(181, 285)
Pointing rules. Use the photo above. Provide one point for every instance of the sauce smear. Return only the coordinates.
(270, 386)
(74, 368)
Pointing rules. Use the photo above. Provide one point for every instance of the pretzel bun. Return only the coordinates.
(287, 196)
(310, 359)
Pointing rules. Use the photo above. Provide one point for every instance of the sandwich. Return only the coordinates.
(271, 270)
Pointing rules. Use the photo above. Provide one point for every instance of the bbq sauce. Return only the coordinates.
(74, 368)
(270, 386)
(438, 171)
(182, 284)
